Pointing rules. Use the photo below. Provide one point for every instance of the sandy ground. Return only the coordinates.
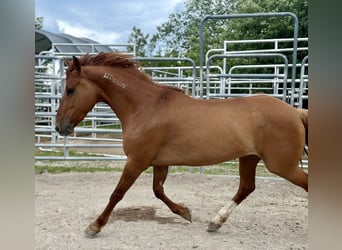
(275, 216)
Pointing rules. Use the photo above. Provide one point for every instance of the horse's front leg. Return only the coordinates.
(130, 173)
(159, 177)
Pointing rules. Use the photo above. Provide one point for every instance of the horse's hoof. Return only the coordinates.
(91, 231)
(187, 214)
(213, 227)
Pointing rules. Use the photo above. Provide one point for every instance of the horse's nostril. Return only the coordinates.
(57, 128)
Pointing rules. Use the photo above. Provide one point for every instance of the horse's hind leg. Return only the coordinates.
(159, 177)
(130, 173)
(247, 167)
(290, 171)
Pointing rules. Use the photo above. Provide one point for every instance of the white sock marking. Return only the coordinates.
(224, 213)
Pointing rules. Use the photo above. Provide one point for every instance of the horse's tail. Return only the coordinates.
(304, 115)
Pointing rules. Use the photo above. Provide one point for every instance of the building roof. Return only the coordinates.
(45, 39)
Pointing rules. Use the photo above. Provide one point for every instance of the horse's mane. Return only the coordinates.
(112, 59)
(115, 59)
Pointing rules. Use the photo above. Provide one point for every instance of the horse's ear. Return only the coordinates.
(66, 61)
(76, 63)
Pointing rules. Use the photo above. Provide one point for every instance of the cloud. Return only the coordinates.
(105, 21)
(81, 31)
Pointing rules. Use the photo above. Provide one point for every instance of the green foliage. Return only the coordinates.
(140, 40)
(179, 35)
(271, 27)
(38, 24)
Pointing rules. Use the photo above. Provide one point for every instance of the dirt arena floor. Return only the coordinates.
(275, 216)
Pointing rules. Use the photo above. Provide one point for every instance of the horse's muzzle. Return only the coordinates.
(64, 129)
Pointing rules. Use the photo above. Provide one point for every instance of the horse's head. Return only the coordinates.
(78, 99)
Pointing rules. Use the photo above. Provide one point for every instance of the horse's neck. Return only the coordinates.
(122, 91)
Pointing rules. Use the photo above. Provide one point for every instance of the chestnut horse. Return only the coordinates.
(162, 126)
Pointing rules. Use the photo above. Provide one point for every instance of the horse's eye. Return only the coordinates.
(70, 91)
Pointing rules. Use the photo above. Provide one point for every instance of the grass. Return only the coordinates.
(76, 169)
(61, 153)
(230, 169)
(227, 168)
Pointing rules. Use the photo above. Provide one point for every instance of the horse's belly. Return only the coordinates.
(197, 155)
(216, 139)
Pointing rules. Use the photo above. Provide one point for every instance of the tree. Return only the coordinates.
(38, 24)
(140, 40)
(264, 28)
(179, 35)
(272, 27)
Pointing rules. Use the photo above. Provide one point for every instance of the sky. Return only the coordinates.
(105, 21)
